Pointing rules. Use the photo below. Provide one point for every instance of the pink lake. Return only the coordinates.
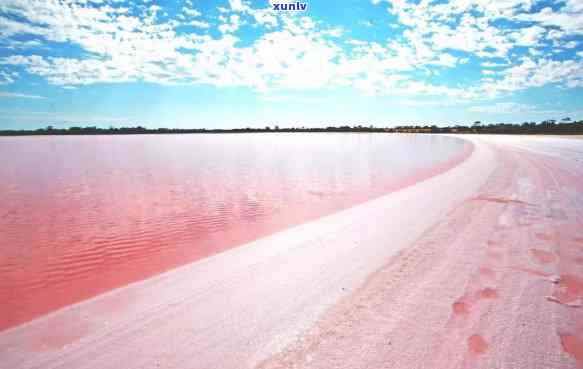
(82, 215)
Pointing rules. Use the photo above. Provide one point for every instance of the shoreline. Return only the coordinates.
(317, 131)
(477, 267)
(315, 264)
(40, 303)
(504, 289)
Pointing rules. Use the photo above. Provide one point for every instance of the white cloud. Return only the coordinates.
(19, 95)
(21, 45)
(571, 44)
(199, 24)
(556, 34)
(64, 71)
(10, 27)
(501, 108)
(569, 19)
(7, 78)
(265, 17)
(294, 99)
(293, 52)
(49, 118)
(468, 25)
(529, 36)
(531, 73)
(508, 108)
(421, 103)
(233, 24)
(493, 65)
(446, 60)
(191, 12)
(239, 5)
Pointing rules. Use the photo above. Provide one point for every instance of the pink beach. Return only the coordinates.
(470, 261)
(102, 212)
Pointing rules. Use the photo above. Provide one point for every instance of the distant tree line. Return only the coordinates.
(50, 130)
(565, 127)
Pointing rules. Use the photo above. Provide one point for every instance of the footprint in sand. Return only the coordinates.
(500, 200)
(534, 272)
(568, 303)
(573, 347)
(495, 255)
(460, 307)
(487, 272)
(544, 236)
(568, 291)
(477, 345)
(572, 285)
(488, 293)
(542, 256)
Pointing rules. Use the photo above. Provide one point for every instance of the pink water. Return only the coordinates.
(82, 215)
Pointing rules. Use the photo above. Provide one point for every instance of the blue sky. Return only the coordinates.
(238, 63)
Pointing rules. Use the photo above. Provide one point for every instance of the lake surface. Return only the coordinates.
(82, 215)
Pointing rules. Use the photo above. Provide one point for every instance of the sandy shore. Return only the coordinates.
(574, 137)
(478, 267)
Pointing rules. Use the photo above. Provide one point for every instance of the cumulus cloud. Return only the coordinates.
(472, 26)
(191, 12)
(199, 24)
(530, 36)
(421, 103)
(569, 18)
(63, 118)
(17, 95)
(7, 78)
(501, 108)
(125, 43)
(531, 73)
(508, 108)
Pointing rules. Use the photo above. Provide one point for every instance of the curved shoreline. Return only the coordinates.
(241, 307)
(91, 251)
(498, 282)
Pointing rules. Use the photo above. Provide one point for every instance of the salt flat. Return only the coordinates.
(479, 266)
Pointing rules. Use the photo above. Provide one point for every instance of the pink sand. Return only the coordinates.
(440, 274)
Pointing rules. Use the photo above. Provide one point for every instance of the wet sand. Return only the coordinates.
(576, 137)
(477, 267)
(502, 287)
